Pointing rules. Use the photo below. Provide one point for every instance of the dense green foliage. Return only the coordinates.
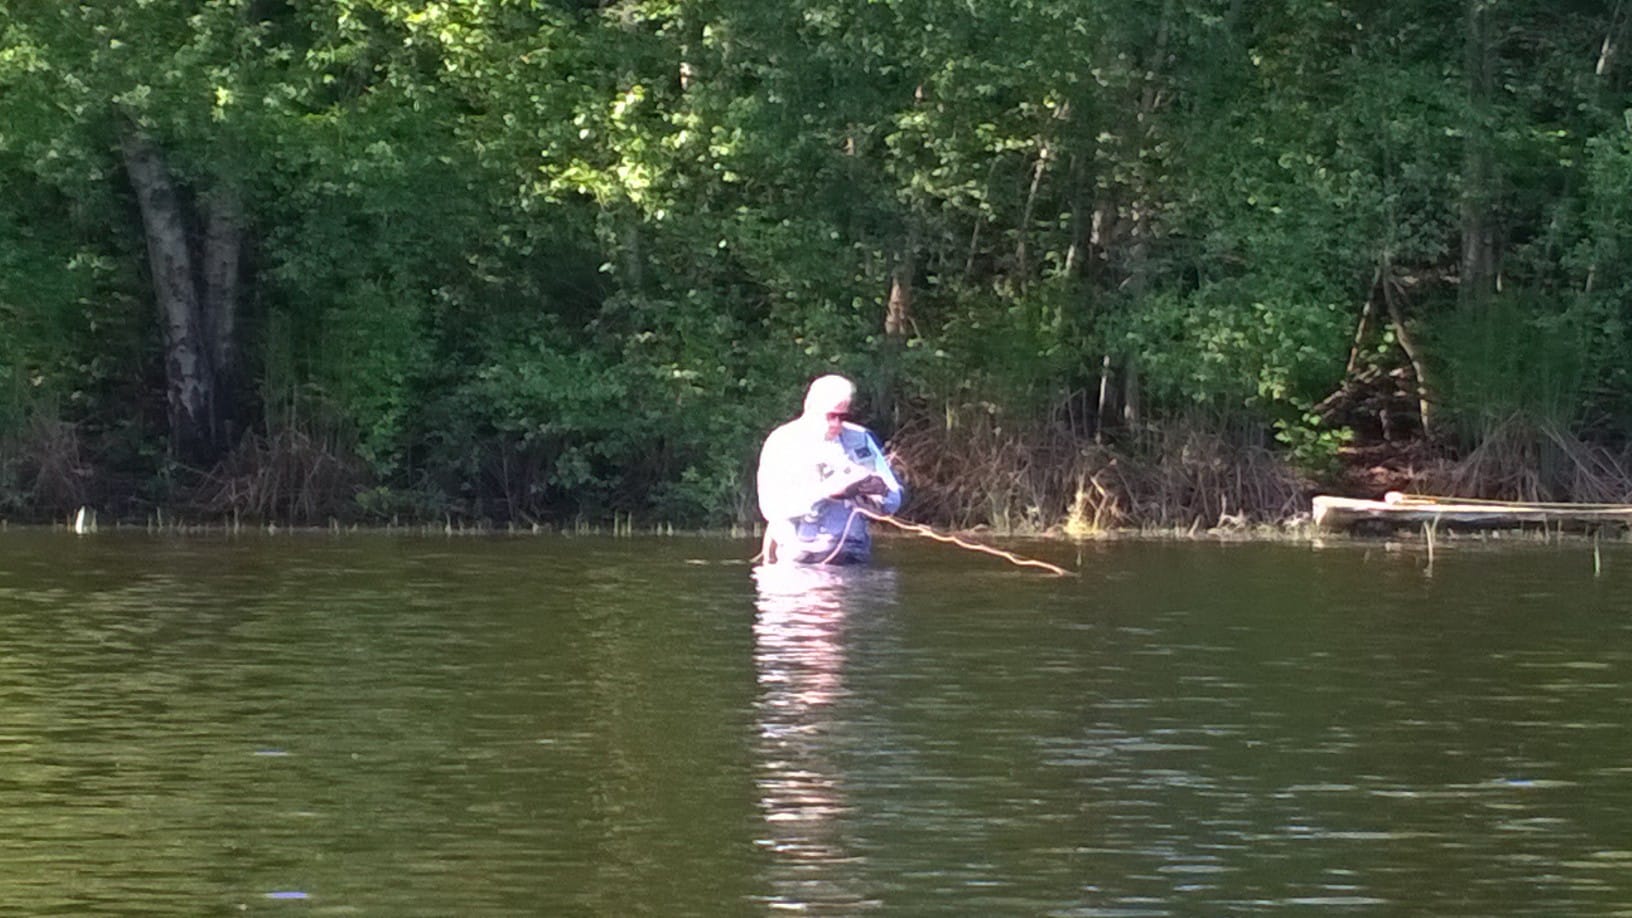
(529, 260)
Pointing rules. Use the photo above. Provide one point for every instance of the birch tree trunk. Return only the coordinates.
(196, 295)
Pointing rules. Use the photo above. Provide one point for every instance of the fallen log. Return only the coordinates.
(1396, 509)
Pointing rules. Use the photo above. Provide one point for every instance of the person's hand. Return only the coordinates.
(860, 482)
(846, 491)
(872, 486)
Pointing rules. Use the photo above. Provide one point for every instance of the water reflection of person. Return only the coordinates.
(800, 652)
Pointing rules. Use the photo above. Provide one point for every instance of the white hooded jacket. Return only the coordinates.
(799, 469)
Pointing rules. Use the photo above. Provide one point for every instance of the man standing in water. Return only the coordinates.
(815, 473)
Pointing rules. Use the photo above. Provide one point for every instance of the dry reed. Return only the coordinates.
(968, 469)
(289, 477)
(1524, 460)
(47, 458)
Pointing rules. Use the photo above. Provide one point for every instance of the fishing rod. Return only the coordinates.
(947, 538)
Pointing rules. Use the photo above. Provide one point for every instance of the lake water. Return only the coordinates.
(492, 726)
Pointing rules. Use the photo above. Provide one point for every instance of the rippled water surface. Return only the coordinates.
(392, 725)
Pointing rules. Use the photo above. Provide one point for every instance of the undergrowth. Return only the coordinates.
(968, 469)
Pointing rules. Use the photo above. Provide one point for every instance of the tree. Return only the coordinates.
(92, 85)
(196, 285)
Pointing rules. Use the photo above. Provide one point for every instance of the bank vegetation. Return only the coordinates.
(1140, 263)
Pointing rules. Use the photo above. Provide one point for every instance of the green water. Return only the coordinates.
(389, 725)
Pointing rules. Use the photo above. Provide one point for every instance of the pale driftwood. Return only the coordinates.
(1336, 513)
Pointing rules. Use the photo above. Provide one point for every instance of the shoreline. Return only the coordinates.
(1290, 532)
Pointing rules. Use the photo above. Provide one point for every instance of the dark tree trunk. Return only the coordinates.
(218, 308)
(1079, 232)
(1022, 254)
(1123, 225)
(223, 247)
(1478, 274)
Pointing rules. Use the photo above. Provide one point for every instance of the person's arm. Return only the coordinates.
(890, 498)
(787, 486)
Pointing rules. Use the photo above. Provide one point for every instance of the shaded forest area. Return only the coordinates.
(1136, 263)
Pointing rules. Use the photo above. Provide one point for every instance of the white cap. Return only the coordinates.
(827, 393)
